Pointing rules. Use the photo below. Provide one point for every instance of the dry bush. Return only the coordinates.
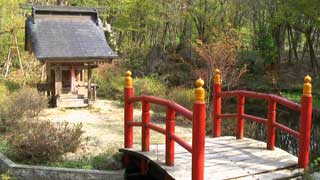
(42, 141)
(22, 103)
(26, 102)
(182, 96)
(149, 86)
(152, 87)
(222, 53)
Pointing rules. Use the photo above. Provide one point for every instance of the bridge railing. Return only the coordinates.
(305, 109)
(197, 116)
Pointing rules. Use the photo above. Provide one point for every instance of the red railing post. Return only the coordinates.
(128, 111)
(240, 122)
(216, 119)
(272, 110)
(145, 130)
(170, 124)
(305, 124)
(198, 132)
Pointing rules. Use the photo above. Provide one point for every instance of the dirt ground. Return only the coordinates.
(103, 127)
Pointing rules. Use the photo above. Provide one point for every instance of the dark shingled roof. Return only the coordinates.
(67, 33)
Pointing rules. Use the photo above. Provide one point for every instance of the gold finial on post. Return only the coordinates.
(128, 80)
(307, 87)
(217, 76)
(199, 92)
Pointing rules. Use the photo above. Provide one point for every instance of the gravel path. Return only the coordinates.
(103, 127)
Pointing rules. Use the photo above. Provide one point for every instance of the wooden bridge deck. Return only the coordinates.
(226, 158)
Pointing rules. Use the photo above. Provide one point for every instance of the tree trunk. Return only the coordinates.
(60, 2)
(290, 45)
(278, 34)
(313, 59)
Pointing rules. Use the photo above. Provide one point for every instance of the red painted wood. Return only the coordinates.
(156, 128)
(271, 137)
(170, 116)
(240, 122)
(280, 100)
(216, 114)
(145, 130)
(255, 119)
(143, 167)
(164, 102)
(305, 130)
(182, 142)
(228, 116)
(287, 130)
(126, 160)
(198, 140)
(128, 118)
(285, 102)
(134, 123)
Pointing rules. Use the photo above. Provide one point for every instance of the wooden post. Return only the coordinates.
(170, 125)
(272, 112)
(89, 83)
(143, 167)
(72, 79)
(145, 130)
(240, 122)
(198, 132)
(216, 119)
(128, 111)
(58, 84)
(94, 92)
(305, 124)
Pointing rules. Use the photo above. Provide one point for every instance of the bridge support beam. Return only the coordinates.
(305, 124)
(170, 124)
(145, 130)
(272, 110)
(216, 113)
(240, 123)
(198, 132)
(128, 111)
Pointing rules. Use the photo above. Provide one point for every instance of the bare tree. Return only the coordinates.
(60, 2)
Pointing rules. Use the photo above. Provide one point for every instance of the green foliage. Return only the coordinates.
(12, 85)
(4, 146)
(81, 163)
(104, 161)
(149, 86)
(40, 141)
(3, 91)
(110, 81)
(296, 96)
(266, 46)
(7, 176)
(182, 96)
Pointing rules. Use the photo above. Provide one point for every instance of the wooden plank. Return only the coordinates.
(225, 158)
(278, 174)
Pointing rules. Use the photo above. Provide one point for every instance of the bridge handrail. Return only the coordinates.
(305, 110)
(169, 104)
(278, 99)
(197, 117)
(164, 102)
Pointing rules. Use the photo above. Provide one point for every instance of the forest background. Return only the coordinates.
(267, 45)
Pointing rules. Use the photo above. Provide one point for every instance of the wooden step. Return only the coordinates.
(70, 103)
(72, 96)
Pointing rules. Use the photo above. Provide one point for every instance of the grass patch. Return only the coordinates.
(100, 162)
(296, 96)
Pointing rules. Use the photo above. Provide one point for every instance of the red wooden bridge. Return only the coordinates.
(215, 157)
